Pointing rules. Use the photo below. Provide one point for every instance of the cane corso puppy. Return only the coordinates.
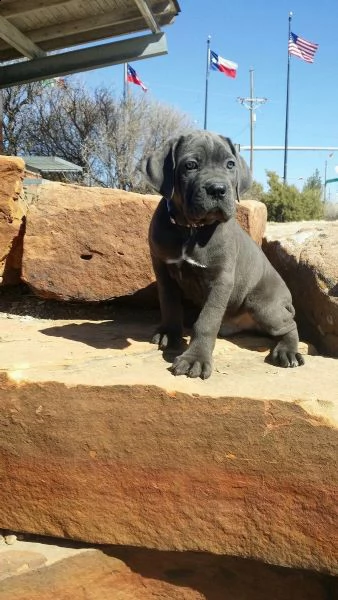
(199, 250)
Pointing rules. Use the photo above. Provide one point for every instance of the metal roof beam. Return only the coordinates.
(148, 15)
(18, 40)
(95, 57)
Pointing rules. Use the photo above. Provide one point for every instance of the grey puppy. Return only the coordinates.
(199, 250)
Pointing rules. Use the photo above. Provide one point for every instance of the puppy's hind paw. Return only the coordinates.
(281, 357)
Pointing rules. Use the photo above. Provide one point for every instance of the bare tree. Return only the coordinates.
(107, 136)
(17, 102)
(128, 131)
(62, 121)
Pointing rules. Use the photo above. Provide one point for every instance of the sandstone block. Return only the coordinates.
(137, 574)
(12, 212)
(99, 442)
(306, 255)
(252, 216)
(91, 244)
(87, 244)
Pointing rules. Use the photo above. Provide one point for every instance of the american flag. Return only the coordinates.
(302, 48)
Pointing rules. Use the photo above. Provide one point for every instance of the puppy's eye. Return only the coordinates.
(231, 164)
(190, 165)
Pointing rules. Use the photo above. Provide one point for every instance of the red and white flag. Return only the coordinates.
(133, 77)
(223, 65)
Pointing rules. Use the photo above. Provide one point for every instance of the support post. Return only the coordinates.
(285, 171)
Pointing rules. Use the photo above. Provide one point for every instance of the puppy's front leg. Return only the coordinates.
(169, 334)
(196, 361)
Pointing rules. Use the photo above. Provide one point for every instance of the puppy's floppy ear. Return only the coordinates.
(244, 180)
(159, 168)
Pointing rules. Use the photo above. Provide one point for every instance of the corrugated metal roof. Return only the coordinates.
(48, 164)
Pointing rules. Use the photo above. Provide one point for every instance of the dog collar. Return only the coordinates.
(170, 212)
(174, 222)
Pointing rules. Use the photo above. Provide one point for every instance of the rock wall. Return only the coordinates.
(91, 244)
(12, 213)
(83, 244)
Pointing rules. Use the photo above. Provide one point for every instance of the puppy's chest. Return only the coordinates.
(188, 256)
(189, 268)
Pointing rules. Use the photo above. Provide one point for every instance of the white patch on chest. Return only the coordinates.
(184, 257)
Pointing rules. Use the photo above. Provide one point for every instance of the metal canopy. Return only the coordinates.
(49, 164)
(33, 28)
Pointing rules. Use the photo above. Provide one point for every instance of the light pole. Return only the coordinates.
(251, 104)
(325, 174)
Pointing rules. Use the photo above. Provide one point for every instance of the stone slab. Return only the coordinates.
(99, 442)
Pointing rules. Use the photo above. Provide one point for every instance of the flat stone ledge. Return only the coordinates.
(135, 574)
(99, 442)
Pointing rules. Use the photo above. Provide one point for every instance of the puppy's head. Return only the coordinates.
(201, 175)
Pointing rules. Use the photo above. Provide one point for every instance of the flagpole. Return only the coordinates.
(287, 109)
(207, 83)
(125, 82)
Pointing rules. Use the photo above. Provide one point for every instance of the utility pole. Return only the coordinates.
(325, 174)
(251, 104)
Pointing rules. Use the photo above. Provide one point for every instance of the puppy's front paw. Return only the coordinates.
(167, 339)
(192, 365)
(282, 356)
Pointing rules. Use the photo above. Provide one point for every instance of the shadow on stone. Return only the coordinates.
(108, 334)
(224, 577)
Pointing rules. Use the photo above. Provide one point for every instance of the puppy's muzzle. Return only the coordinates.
(216, 190)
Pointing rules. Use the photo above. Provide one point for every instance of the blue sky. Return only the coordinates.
(253, 34)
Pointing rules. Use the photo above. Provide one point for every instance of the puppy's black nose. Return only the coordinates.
(217, 190)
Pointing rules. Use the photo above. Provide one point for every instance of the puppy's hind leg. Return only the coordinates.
(277, 319)
(285, 353)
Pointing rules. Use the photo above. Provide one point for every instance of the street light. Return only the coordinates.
(325, 173)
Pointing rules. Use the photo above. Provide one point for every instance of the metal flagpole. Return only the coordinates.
(125, 82)
(287, 108)
(123, 168)
(207, 83)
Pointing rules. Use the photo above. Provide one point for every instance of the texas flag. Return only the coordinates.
(227, 67)
(133, 77)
